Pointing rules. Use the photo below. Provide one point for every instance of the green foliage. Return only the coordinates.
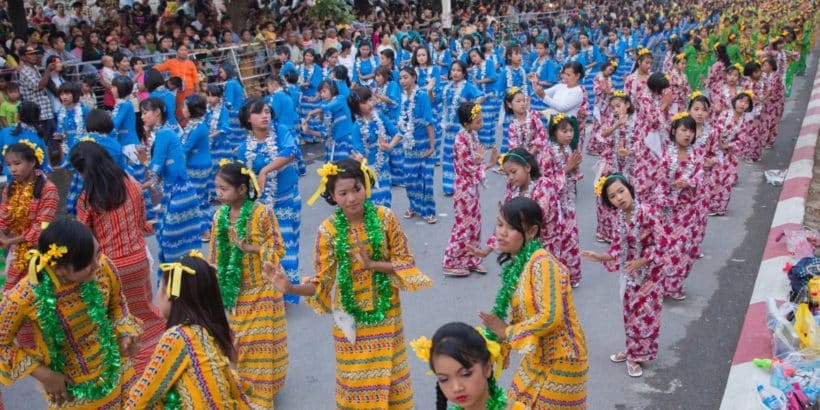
(337, 10)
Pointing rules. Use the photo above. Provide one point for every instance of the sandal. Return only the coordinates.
(618, 357)
(680, 296)
(479, 270)
(634, 369)
(409, 214)
(430, 219)
(455, 272)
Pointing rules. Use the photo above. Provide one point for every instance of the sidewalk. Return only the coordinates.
(755, 338)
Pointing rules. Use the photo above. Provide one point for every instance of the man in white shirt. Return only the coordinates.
(61, 20)
(347, 56)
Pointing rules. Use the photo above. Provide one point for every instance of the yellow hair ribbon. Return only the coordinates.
(367, 182)
(598, 188)
(44, 261)
(175, 271)
(325, 171)
(619, 93)
(682, 114)
(716, 46)
(87, 139)
(224, 161)
(501, 159)
(475, 111)
(254, 181)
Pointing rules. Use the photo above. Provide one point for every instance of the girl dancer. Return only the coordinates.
(526, 129)
(193, 363)
(637, 254)
(371, 360)
(245, 237)
(602, 90)
(337, 119)
(730, 133)
(196, 147)
(310, 76)
(454, 93)
(542, 323)
(484, 76)
(468, 155)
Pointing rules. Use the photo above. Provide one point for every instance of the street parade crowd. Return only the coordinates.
(667, 98)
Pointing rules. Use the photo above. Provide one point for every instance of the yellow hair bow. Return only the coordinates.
(614, 63)
(501, 159)
(619, 93)
(38, 152)
(749, 93)
(557, 118)
(44, 261)
(475, 111)
(367, 182)
(327, 170)
(716, 46)
(598, 188)
(643, 51)
(224, 161)
(87, 139)
(175, 271)
(738, 67)
(513, 91)
(254, 181)
(422, 347)
(682, 114)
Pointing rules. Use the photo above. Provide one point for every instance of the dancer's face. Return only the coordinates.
(619, 195)
(349, 194)
(466, 387)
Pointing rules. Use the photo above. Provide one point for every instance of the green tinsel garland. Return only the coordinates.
(229, 263)
(372, 226)
(496, 401)
(509, 281)
(46, 302)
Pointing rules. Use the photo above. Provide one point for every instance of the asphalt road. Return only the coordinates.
(698, 335)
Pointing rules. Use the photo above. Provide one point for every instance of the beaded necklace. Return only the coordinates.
(624, 234)
(511, 79)
(364, 125)
(183, 138)
(626, 136)
(271, 150)
(216, 112)
(455, 88)
(523, 130)
(79, 124)
(407, 125)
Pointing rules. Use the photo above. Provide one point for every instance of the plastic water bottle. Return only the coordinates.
(771, 398)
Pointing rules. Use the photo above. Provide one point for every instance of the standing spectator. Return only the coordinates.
(227, 25)
(185, 69)
(61, 20)
(57, 42)
(295, 50)
(33, 88)
(347, 56)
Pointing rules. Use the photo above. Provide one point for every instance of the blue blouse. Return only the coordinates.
(344, 89)
(125, 123)
(234, 94)
(68, 125)
(170, 101)
(111, 145)
(196, 146)
(167, 158)
(422, 117)
(488, 72)
(281, 106)
(337, 112)
(391, 90)
(312, 82)
(7, 138)
(287, 178)
(425, 75)
(366, 66)
(373, 137)
(223, 123)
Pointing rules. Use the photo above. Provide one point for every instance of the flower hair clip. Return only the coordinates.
(557, 118)
(38, 152)
(327, 170)
(695, 94)
(715, 47)
(474, 112)
(643, 51)
(39, 261)
(195, 253)
(613, 63)
(422, 347)
(224, 161)
(513, 91)
(738, 67)
(598, 188)
(680, 56)
(749, 93)
(680, 115)
(619, 93)
(666, 77)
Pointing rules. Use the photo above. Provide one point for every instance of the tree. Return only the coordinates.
(19, 21)
(337, 10)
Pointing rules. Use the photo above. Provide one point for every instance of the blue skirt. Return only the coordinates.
(587, 83)
(201, 181)
(315, 124)
(382, 194)
(490, 108)
(448, 171)
(237, 135)
(288, 209)
(180, 228)
(338, 147)
(418, 174)
(74, 190)
(138, 172)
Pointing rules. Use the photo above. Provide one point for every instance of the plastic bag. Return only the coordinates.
(806, 328)
(775, 176)
(799, 242)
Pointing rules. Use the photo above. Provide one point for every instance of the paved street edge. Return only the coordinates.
(771, 282)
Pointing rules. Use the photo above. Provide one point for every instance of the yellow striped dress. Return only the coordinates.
(258, 319)
(545, 329)
(189, 360)
(81, 347)
(371, 373)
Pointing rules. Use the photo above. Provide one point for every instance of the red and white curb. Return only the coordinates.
(755, 338)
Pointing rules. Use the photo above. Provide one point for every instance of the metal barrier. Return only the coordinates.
(253, 63)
